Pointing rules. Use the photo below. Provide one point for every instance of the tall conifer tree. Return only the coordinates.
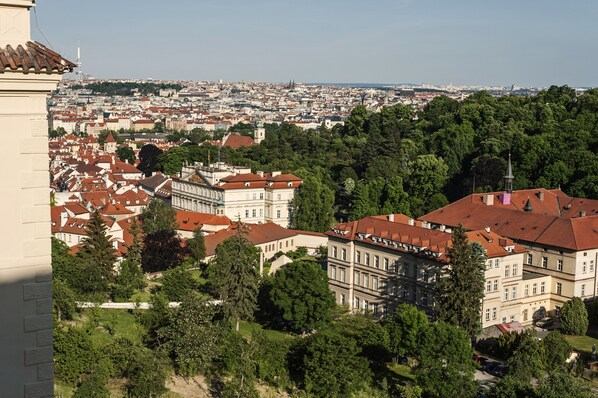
(461, 289)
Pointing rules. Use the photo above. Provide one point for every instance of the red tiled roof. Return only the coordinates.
(254, 233)
(552, 221)
(189, 220)
(237, 141)
(33, 57)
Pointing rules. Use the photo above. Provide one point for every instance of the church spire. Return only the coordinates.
(509, 177)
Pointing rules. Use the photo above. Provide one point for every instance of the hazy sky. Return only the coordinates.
(466, 42)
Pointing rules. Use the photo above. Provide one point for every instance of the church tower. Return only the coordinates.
(260, 132)
(505, 197)
(29, 72)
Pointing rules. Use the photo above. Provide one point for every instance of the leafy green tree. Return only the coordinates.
(94, 384)
(332, 366)
(178, 283)
(234, 274)
(380, 196)
(96, 256)
(270, 358)
(136, 247)
(558, 385)
(301, 295)
(191, 335)
(240, 367)
(125, 154)
(161, 246)
(197, 246)
(313, 206)
(129, 278)
(445, 366)
(461, 289)
(371, 337)
(74, 353)
(509, 387)
(63, 300)
(105, 133)
(155, 319)
(146, 376)
(148, 159)
(404, 329)
(171, 161)
(574, 317)
(557, 350)
(528, 359)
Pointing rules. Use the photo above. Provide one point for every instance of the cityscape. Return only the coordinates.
(186, 235)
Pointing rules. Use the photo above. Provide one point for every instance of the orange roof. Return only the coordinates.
(189, 220)
(235, 141)
(554, 219)
(113, 210)
(254, 233)
(109, 138)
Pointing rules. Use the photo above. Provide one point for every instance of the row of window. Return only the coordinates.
(504, 318)
(272, 246)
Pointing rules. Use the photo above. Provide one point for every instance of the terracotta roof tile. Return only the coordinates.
(33, 57)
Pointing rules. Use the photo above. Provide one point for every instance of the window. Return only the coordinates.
(333, 273)
(356, 278)
(487, 314)
(253, 213)
(592, 266)
(542, 287)
(488, 286)
(384, 284)
(506, 293)
(512, 318)
(514, 292)
(261, 212)
(366, 305)
(385, 264)
(504, 319)
(279, 196)
(526, 290)
(507, 270)
(367, 259)
(246, 213)
(375, 308)
(384, 310)
(376, 262)
(559, 288)
(535, 289)
(514, 270)
(489, 265)
(366, 281)
(425, 299)
(277, 213)
(343, 275)
(374, 283)
(344, 254)
(544, 262)
(530, 258)
(405, 293)
(585, 267)
(358, 257)
(254, 196)
(497, 263)
(426, 276)
(406, 269)
(397, 267)
(494, 313)
(525, 315)
(583, 290)
(341, 299)
(334, 252)
(395, 290)
(495, 285)
(356, 302)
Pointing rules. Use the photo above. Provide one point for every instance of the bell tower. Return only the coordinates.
(260, 132)
(28, 73)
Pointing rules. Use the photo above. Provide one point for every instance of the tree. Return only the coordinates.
(270, 358)
(312, 206)
(527, 360)
(162, 246)
(129, 278)
(557, 350)
(234, 274)
(332, 366)
(178, 283)
(574, 317)
(558, 385)
(301, 295)
(404, 329)
(105, 133)
(509, 387)
(126, 154)
(197, 246)
(63, 300)
(371, 337)
(146, 376)
(136, 247)
(148, 159)
(191, 336)
(461, 290)
(74, 353)
(445, 366)
(97, 257)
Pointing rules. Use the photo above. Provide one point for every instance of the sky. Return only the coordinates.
(534, 43)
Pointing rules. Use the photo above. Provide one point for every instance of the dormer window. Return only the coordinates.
(247, 184)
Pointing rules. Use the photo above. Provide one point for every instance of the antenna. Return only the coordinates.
(79, 71)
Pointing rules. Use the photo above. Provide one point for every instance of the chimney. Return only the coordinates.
(487, 229)
(488, 199)
(582, 213)
(260, 173)
(541, 196)
(505, 198)
(442, 227)
(411, 222)
(391, 217)
(63, 217)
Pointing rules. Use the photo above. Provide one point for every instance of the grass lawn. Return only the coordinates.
(196, 274)
(403, 371)
(582, 343)
(120, 322)
(246, 328)
(142, 297)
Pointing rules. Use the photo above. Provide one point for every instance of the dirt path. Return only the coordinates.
(194, 387)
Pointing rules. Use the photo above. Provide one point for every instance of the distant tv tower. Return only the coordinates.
(79, 71)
